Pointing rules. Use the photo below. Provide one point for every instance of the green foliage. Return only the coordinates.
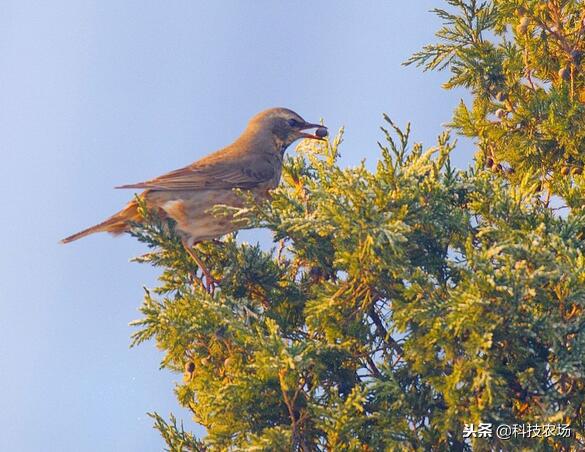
(174, 436)
(523, 61)
(402, 303)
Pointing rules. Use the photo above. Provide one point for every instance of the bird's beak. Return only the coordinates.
(308, 125)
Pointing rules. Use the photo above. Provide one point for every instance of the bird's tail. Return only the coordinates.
(116, 224)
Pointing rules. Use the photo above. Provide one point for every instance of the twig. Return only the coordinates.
(383, 333)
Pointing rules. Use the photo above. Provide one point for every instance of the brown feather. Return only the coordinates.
(253, 162)
(225, 169)
(116, 224)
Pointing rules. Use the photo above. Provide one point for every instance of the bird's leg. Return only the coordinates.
(210, 282)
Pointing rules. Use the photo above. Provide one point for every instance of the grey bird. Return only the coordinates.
(253, 162)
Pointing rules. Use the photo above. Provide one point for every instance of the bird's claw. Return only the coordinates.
(210, 282)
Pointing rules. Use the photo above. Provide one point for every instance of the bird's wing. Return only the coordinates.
(215, 173)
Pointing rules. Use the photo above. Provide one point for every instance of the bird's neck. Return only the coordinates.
(262, 142)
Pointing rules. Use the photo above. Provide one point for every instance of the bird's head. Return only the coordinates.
(284, 125)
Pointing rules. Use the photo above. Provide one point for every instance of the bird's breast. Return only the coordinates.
(192, 210)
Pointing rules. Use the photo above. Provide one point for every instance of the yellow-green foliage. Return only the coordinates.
(524, 62)
(401, 303)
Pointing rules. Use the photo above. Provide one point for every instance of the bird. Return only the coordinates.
(253, 162)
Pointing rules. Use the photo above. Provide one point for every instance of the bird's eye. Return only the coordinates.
(293, 122)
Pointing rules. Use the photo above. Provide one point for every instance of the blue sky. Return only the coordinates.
(99, 93)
